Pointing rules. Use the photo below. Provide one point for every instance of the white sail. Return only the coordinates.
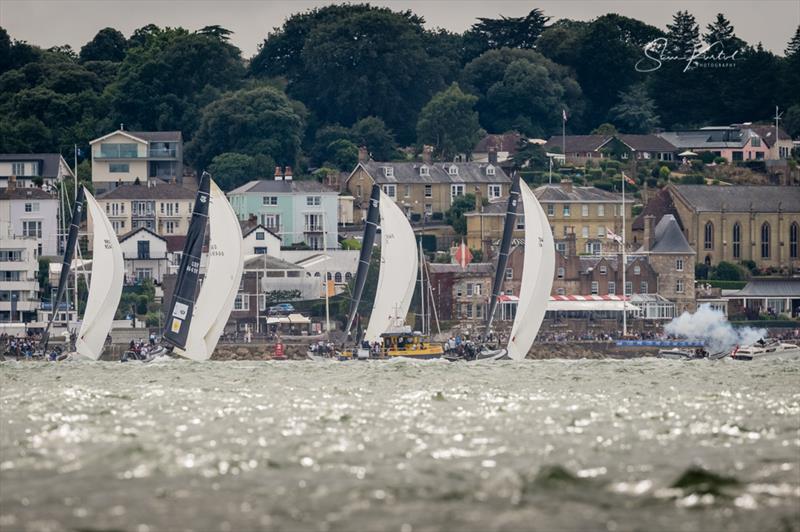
(105, 288)
(221, 283)
(537, 276)
(398, 273)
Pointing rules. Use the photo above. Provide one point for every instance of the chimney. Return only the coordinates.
(493, 155)
(427, 154)
(478, 199)
(287, 174)
(278, 174)
(566, 184)
(647, 241)
(12, 182)
(363, 154)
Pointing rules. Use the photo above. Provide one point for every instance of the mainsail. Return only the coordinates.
(537, 276)
(370, 226)
(398, 271)
(505, 246)
(105, 289)
(221, 283)
(181, 308)
(69, 251)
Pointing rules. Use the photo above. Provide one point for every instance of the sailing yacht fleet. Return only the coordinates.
(198, 311)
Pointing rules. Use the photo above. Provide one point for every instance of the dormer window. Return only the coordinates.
(424, 171)
(388, 171)
(452, 169)
(490, 170)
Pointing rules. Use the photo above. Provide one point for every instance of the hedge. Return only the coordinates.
(725, 285)
(772, 324)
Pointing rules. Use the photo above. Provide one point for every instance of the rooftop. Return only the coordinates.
(28, 193)
(739, 198)
(270, 186)
(473, 268)
(668, 238)
(154, 191)
(438, 172)
(660, 204)
(562, 194)
(268, 262)
(577, 143)
(49, 162)
(779, 288)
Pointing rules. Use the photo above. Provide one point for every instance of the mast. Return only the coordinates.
(624, 267)
(69, 250)
(370, 228)
(179, 315)
(421, 287)
(505, 246)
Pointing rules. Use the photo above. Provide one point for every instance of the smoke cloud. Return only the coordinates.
(711, 326)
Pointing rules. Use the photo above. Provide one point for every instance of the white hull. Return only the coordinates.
(755, 352)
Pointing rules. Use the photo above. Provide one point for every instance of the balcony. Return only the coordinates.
(312, 229)
(30, 285)
(162, 153)
(22, 306)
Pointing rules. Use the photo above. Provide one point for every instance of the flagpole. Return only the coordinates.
(624, 266)
(564, 134)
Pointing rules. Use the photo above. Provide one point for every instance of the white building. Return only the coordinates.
(260, 240)
(145, 254)
(33, 169)
(19, 287)
(30, 212)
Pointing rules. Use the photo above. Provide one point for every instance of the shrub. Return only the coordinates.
(750, 265)
(697, 164)
(727, 271)
(605, 185)
(438, 216)
(707, 156)
(720, 160)
(694, 179)
(701, 271)
(615, 165)
(663, 173)
(350, 244)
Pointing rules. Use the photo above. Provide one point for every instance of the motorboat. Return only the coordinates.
(690, 354)
(765, 348)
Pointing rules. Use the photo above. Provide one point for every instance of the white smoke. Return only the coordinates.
(711, 326)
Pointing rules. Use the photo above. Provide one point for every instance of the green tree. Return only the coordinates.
(793, 48)
(165, 81)
(522, 90)
(449, 123)
(343, 154)
(510, 32)
(323, 138)
(636, 111)
(721, 31)
(108, 45)
(791, 122)
(373, 133)
(255, 121)
(683, 34)
(455, 215)
(726, 271)
(231, 170)
(605, 129)
(530, 155)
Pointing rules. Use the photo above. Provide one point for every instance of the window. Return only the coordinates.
(144, 273)
(452, 170)
(643, 287)
(490, 170)
(560, 273)
(388, 171)
(348, 277)
(584, 210)
(708, 236)
(469, 289)
(520, 222)
(585, 231)
(737, 240)
(479, 311)
(679, 265)
(765, 235)
(408, 191)
(428, 191)
(424, 171)
(113, 150)
(259, 250)
(17, 169)
(469, 310)
(566, 211)
(612, 288)
(509, 274)
(390, 190)
(313, 223)
(271, 200)
(561, 247)
(358, 190)
(477, 289)
(603, 270)
(143, 249)
(495, 191)
(561, 291)
(628, 288)
(242, 302)
(260, 235)
(337, 278)
(32, 228)
(595, 288)
(679, 286)
(456, 190)
(755, 142)
(551, 209)
(637, 270)
(32, 207)
(601, 231)
(428, 209)
(793, 240)
(313, 201)
(119, 168)
(601, 210)
(170, 226)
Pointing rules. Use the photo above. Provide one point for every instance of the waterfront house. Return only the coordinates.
(164, 208)
(33, 169)
(19, 285)
(30, 212)
(737, 142)
(145, 255)
(622, 147)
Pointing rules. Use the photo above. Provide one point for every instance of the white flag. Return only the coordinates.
(613, 236)
(564, 114)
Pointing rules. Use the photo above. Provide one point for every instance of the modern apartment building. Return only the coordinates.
(127, 157)
(296, 211)
(19, 287)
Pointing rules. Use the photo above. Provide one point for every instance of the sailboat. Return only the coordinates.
(537, 274)
(194, 324)
(105, 286)
(396, 283)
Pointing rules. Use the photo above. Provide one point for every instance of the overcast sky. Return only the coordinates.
(54, 22)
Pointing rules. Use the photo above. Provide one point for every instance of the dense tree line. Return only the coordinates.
(332, 79)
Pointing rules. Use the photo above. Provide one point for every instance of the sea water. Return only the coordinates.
(400, 445)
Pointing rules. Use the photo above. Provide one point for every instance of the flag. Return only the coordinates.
(463, 255)
(564, 115)
(628, 179)
(611, 235)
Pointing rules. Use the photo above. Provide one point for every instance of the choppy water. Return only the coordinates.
(400, 445)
